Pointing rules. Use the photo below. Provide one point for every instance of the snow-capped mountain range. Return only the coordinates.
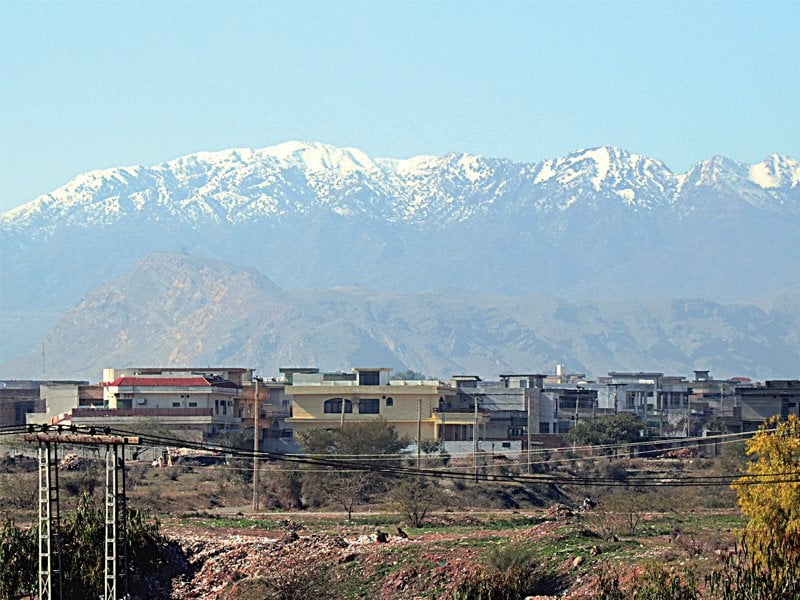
(596, 224)
(242, 185)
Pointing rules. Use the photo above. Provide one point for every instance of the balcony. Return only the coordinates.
(140, 412)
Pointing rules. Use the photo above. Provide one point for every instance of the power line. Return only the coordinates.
(354, 463)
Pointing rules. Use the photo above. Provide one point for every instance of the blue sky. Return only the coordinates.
(95, 85)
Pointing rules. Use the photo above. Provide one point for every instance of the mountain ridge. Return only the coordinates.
(241, 184)
(595, 224)
(176, 309)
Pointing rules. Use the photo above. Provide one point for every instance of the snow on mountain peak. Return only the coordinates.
(315, 157)
(776, 171)
(241, 184)
(602, 160)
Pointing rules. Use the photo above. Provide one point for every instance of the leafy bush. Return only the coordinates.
(655, 583)
(511, 574)
(82, 552)
(18, 561)
(762, 568)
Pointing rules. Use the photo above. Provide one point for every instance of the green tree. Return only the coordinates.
(612, 429)
(360, 446)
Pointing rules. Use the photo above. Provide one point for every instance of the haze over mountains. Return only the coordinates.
(601, 228)
(173, 308)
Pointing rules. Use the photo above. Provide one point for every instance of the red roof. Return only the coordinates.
(159, 382)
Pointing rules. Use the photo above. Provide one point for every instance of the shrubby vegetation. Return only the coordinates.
(18, 560)
(346, 486)
(415, 498)
(82, 553)
(654, 583)
(408, 374)
(511, 573)
(612, 429)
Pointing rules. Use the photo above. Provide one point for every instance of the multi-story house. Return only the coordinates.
(17, 399)
(567, 404)
(328, 400)
(776, 398)
(275, 433)
(30, 401)
(512, 404)
(193, 404)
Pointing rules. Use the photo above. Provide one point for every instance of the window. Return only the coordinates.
(334, 406)
(369, 378)
(193, 404)
(516, 431)
(176, 405)
(390, 401)
(369, 406)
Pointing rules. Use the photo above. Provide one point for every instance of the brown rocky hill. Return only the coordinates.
(177, 309)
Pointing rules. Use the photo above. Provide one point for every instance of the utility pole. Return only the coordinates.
(115, 544)
(688, 415)
(116, 539)
(49, 539)
(577, 408)
(616, 398)
(475, 439)
(419, 429)
(443, 430)
(528, 428)
(256, 445)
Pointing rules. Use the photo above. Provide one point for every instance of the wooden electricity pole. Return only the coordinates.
(419, 429)
(475, 439)
(528, 428)
(256, 445)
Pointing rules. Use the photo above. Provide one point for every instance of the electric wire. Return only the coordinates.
(350, 465)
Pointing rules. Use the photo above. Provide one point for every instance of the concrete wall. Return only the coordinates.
(59, 398)
(510, 448)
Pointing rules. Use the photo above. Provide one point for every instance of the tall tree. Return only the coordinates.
(363, 445)
(769, 494)
(608, 430)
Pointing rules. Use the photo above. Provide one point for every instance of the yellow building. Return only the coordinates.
(327, 400)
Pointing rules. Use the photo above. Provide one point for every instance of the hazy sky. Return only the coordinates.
(88, 86)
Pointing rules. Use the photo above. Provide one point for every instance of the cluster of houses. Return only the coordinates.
(505, 415)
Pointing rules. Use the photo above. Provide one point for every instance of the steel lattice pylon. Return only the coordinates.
(116, 539)
(50, 583)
